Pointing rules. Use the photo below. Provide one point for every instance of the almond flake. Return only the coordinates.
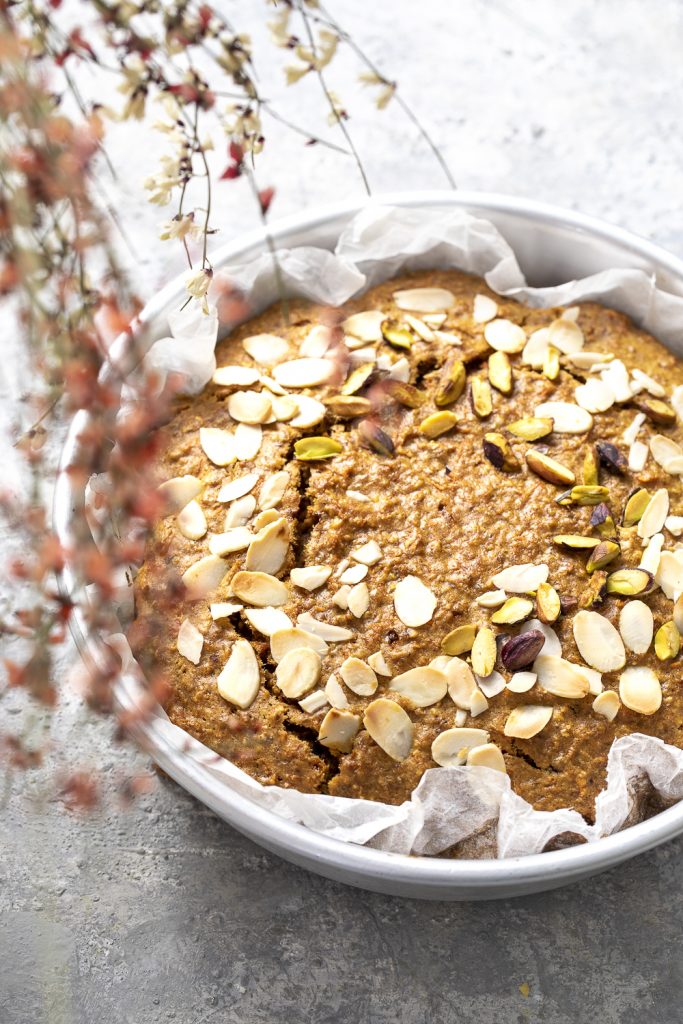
(552, 643)
(224, 609)
(298, 671)
(358, 676)
(521, 682)
(640, 690)
(674, 524)
(325, 630)
(504, 336)
(637, 456)
(633, 429)
(647, 383)
(247, 441)
(269, 548)
(378, 664)
(560, 677)
(267, 620)
(677, 401)
(424, 686)
(218, 445)
(303, 373)
(567, 417)
(669, 573)
(607, 704)
(652, 554)
(492, 684)
(636, 626)
(585, 360)
(237, 539)
(341, 598)
(179, 492)
(451, 747)
(485, 309)
(272, 385)
(266, 349)
(527, 720)
(237, 488)
(284, 408)
(240, 679)
(310, 577)
(594, 396)
(338, 730)
(594, 680)
(488, 755)
(492, 599)
(414, 603)
(566, 335)
(358, 600)
(366, 326)
(260, 589)
(460, 718)
(316, 342)
(204, 576)
(400, 370)
(273, 489)
(359, 356)
(478, 704)
(461, 682)
(357, 496)
(235, 376)
(190, 642)
(264, 518)
(616, 376)
(389, 726)
(240, 511)
(598, 641)
(570, 313)
(654, 516)
(311, 412)
(424, 300)
(315, 702)
(354, 574)
(191, 521)
(420, 328)
(522, 579)
(293, 637)
(335, 693)
(536, 349)
(368, 554)
(665, 451)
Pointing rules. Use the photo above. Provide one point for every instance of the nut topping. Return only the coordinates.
(310, 577)
(598, 642)
(488, 755)
(521, 650)
(238, 487)
(500, 372)
(560, 677)
(424, 300)
(459, 640)
(667, 641)
(372, 436)
(527, 720)
(298, 671)
(451, 383)
(259, 588)
(640, 690)
(504, 336)
(414, 603)
(424, 686)
(179, 492)
(358, 676)
(515, 609)
(240, 679)
(438, 423)
(531, 428)
(190, 641)
(484, 652)
(636, 626)
(499, 453)
(338, 730)
(390, 728)
(191, 521)
(549, 469)
(284, 640)
(482, 399)
(607, 704)
(451, 747)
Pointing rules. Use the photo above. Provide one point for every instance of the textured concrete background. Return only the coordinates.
(162, 913)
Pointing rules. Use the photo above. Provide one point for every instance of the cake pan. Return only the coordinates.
(553, 246)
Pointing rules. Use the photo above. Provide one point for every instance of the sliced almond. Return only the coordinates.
(522, 579)
(598, 641)
(284, 640)
(654, 516)
(461, 683)
(237, 539)
(616, 376)
(247, 441)
(560, 677)
(341, 598)
(314, 702)
(378, 664)
(358, 676)
(368, 554)
(240, 511)
(358, 600)
(636, 625)
(566, 335)
(664, 450)
(325, 630)
(259, 588)
(594, 396)
(451, 747)
(357, 495)
(179, 492)
(204, 576)
(311, 412)
(240, 679)
(273, 489)
(335, 694)
(505, 336)
(633, 429)
(268, 550)
(488, 755)
(390, 727)
(414, 603)
(366, 326)
(521, 682)
(527, 720)
(585, 360)
(271, 385)
(265, 518)
(235, 376)
(190, 641)
(637, 456)
(536, 349)
(478, 704)
(567, 417)
(267, 620)
(492, 599)
(316, 342)
(607, 704)
(266, 349)
(640, 690)
(303, 373)
(354, 574)
(669, 573)
(492, 684)
(218, 445)
(311, 576)
(422, 329)
(674, 524)
(424, 300)
(400, 370)
(484, 309)
(677, 401)
(250, 406)
(424, 686)
(224, 609)
(483, 653)
(283, 408)
(338, 730)
(191, 521)
(238, 487)
(298, 671)
(646, 383)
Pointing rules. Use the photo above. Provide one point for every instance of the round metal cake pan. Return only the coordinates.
(553, 246)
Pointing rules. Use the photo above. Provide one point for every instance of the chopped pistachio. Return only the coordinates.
(549, 469)
(629, 582)
(656, 410)
(531, 428)
(576, 541)
(459, 640)
(595, 591)
(358, 378)
(602, 521)
(404, 394)
(451, 383)
(602, 555)
(548, 605)
(438, 423)
(482, 401)
(499, 453)
(667, 641)
(590, 469)
(635, 507)
(374, 437)
(348, 406)
(396, 334)
(551, 363)
(307, 449)
(583, 494)
(515, 609)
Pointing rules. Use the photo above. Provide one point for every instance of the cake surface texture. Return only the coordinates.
(437, 527)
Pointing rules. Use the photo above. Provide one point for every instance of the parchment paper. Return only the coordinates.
(449, 804)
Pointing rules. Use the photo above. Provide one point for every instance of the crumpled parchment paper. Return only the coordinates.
(449, 804)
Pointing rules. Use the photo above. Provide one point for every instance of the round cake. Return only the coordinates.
(434, 528)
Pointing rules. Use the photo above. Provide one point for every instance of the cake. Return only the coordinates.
(437, 527)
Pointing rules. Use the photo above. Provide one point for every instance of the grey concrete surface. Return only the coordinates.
(160, 912)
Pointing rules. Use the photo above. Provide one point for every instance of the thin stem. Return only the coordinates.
(265, 104)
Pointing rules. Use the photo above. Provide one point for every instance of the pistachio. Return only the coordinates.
(500, 372)
(451, 383)
(309, 449)
(515, 609)
(527, 720)
(602, 521)
(611, 458)
(640, 690)
(602, 555)
(678, 613)
(374, 437)
(635, 506)
(656, 410)
(549, 469)
(348, 406)
(590, 469)
(389, 726)
(595, 591)
(499, 453)
(404, 394)
(531, 428)
(583, 494)
(358, 378)
(480, 393)
(551, 363)
(519, 651)
(484, 652)
(576, 541)
(438, 423)
(629, 582)
(667, 641)
(396, 334)
(459, 640)
(338, 730)
(548, 605)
